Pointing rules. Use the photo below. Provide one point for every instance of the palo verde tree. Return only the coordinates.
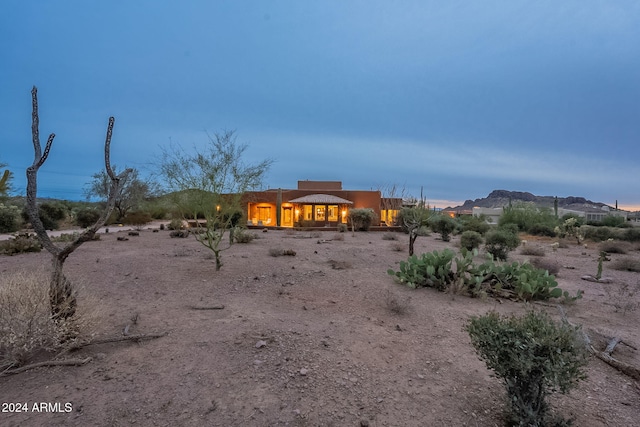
(61, 293)
(208, 187)
(132, 190)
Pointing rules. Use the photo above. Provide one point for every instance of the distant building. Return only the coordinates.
(317, 204)
(591, 214)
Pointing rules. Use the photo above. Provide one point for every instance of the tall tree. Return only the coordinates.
(209, 185)
(61, 293)
(132, 190)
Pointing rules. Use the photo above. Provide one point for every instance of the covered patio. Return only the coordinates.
(320, 210)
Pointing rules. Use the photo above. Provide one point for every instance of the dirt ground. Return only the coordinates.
(304, 340)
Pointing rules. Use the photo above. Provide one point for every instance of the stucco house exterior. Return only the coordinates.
(315, 203)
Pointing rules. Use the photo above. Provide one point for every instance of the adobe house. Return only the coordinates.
(315, 204)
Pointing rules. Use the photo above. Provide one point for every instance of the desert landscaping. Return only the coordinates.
(324, 337)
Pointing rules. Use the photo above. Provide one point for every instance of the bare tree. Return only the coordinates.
(209, 185)
(61, 293)
(131, 192)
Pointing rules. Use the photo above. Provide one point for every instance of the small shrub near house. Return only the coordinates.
(443, 225)
(241, 235)
(361, 218)
(470, 240)
(534, 357)
(500, 242)
(473, 223)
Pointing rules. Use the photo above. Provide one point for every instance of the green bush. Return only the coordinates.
(443, 225)
(534, 357)
(631, 235)
(613, 221)
(21, 243)
(525, 216)
(542, 230)
(50, 213)
(470, 240)
(597, 234)
(500, 242)
(474, 223)
(9, 219)
(137, 219)
(87, 217)
(361, 218)
(241, 235)
(175, 224)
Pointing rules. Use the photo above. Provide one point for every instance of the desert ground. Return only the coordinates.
(322, 338)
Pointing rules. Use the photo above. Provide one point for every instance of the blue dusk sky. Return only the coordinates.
(457, 97)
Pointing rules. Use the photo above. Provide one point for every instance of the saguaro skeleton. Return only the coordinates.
(61, 293)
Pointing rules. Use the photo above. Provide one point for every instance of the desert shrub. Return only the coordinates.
(622, 298)
(626, 264)
(631, 235)
(342, 228)
(534, 357)
(50, 214)
(500, 242)
(241, 235)
(137, 219)
(275, 252)
(597, 234)
(443, 225)
(179, 233)
(474, 223)
(389, 236)
(542, 230)
(545, 264)
(579, 221)
(65, 237)
(470, 240)
(361, 218)
(532, 250)
(9, 218)
(396, 304)
(612, 221)
(525, 216)
(176, 224)
(398, 247)
(614, 247)
(21, 243)
(26, 326)
(87, 217)
(338, 236)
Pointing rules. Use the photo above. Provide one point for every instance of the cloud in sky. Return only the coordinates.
(459, 97)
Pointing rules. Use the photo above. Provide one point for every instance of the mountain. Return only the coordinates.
(501, 198)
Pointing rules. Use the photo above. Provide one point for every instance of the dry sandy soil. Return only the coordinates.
(308, 340)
